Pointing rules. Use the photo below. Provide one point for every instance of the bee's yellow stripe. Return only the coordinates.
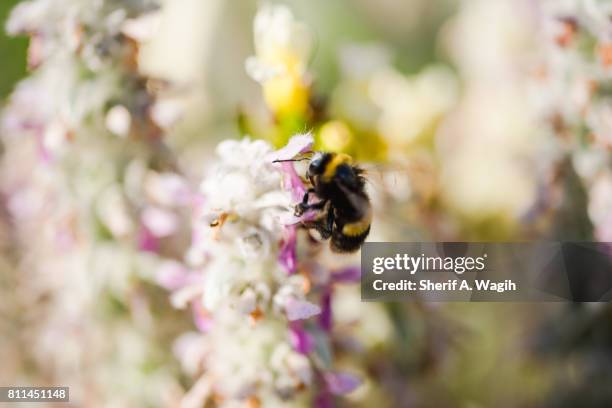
(337, 160)
(358, 227)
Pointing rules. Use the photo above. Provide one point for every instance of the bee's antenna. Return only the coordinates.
(302, 156)
(290, 160)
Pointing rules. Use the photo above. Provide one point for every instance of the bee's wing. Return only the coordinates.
(383, 183)
(356, 199)
(395, 191)
(387, 180)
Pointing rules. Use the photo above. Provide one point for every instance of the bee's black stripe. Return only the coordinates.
(325, 160)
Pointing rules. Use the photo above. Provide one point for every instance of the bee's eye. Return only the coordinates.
(315, 166)
(312, 169)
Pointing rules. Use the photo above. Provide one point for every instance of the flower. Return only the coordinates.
(574, 105)
(412, 106)
(282, 48)
(89, 236)
(238, 234)
(341, 383)
(600, 203)
(85, 71)
(489, 139)
(253, 300)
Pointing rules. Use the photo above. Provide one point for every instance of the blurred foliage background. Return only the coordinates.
(12, 53)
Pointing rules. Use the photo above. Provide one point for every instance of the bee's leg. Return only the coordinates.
(303, 206)
(329, 224)
(307, 196)
(323, 225)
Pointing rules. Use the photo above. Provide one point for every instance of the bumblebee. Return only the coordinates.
(344, 212)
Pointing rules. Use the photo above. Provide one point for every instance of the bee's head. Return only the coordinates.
(318, 164)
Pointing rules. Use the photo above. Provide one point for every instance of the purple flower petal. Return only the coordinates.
(296, 145)
(325, 319)
(288, 253)
(341, 383)
(301, 309)
(43, 152)
(347, 275)
(147, 242)
(324, 400)
(292, 181)
(161, 223)
(173, 275)
(202, 320)
(290, 219)
(301, 340)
